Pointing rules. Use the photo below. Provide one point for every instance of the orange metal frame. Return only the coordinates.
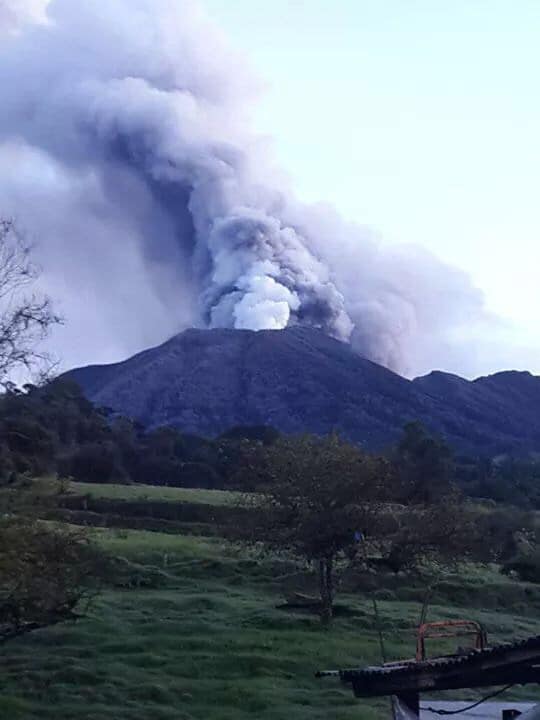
(448, 629)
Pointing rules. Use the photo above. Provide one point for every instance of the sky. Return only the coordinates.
(154, 167)
(434, 109)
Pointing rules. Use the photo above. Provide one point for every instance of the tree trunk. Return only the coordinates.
(326, 589)
(330, 578)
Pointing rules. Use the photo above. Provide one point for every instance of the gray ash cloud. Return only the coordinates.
(126, 151)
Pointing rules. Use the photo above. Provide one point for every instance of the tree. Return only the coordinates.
(25, 317)
(444, 530)
(264, 434)
(46, 572)
(423, 463)
(316, 496)
(513, 481)
(94, 462)
(321, 498)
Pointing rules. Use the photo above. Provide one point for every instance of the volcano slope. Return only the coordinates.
(300, 380)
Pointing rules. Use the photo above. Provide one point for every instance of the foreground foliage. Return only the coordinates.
(201, 638)
(323, 499)
(48, 574)
(53, 429)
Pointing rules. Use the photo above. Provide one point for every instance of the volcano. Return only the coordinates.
(300, 380)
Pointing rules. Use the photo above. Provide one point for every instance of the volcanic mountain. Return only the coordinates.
(300, 380)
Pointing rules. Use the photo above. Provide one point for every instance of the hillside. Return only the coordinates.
(300, 380)
(198, 627)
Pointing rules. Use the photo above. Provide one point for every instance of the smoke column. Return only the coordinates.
(126, 154)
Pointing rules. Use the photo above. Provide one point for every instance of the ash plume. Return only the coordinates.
(126, 153)
(15, 14)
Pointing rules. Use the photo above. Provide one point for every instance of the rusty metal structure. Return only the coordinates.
(449, 629)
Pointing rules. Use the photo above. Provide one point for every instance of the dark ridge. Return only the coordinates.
(300, 380)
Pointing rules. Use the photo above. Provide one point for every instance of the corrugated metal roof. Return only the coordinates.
(440, 664)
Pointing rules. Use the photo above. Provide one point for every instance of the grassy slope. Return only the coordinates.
(208, 645)
(153, 492)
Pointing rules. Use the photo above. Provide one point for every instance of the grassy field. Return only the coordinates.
(203, 640)
(154, 492)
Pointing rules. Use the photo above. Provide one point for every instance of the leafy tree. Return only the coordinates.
(515, 481)
(94, 462)
(315, 495)
(423, 463)
(320, 498)
(443, 531)
(264, 434)
(43, 427)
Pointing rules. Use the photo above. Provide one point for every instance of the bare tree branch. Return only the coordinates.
(26, 317)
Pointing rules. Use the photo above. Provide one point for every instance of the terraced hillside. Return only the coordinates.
(192, 628)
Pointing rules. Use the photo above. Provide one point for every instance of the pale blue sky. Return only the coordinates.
(420, 118)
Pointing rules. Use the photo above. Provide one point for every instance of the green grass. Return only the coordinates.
(154, 492)
(149, 546)
(112, 491)
(208, 643)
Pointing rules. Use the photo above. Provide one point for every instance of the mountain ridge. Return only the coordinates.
(301, 380)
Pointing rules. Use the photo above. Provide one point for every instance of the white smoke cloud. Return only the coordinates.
(125, 151)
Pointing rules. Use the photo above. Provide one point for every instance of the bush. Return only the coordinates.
(93, 462)
(525, 566)
(45, 575)
(198, 475)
